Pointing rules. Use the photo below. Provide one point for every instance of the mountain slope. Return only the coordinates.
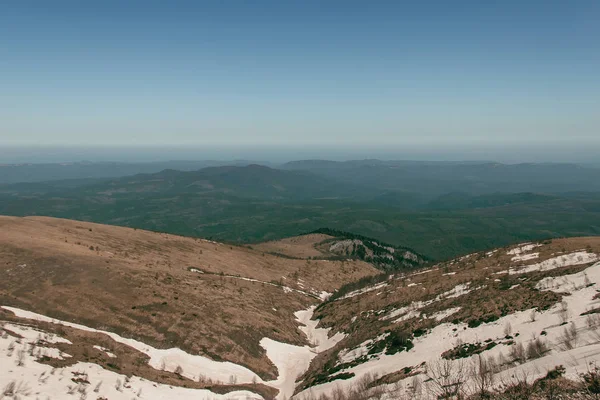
(124, 311)
(433, 179)
(328, 243)
(19, 173)
(525, 309)
(206, 298)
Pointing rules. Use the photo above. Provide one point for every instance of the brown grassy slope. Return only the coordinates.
(303, 246)
(137, 283)
(498, 295)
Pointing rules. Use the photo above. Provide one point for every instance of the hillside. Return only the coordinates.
(30, 172)
(433, 179)
(507, 316)
(125, 313)
(217, 303)
(332, 244)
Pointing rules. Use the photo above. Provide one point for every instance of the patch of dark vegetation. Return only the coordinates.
(419, 332)
(393, 343)
(474, 323)
(281, 255)
(383, 256)
(325, 378)
(356, 285)
(396, 376)
(592, 311)
(396, 342)
(265, 391)
(467, 350)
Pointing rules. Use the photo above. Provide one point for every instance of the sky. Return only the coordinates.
(394, 77)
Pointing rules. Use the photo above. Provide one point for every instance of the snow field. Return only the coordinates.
(33, 379)
(194, 366)
(529, 325)
(292, 361)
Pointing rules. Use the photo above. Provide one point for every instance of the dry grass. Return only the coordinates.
(305, 246)
(498, 295)
(137, 283)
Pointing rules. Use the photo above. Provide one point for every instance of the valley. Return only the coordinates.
(110, 312)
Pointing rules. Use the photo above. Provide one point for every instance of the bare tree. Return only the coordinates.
(21, 358)
(536, 348)
(517, 352)
(446, 379)
(564, 313)
(516, 386)
(14, 390)
(532, 316)
(482, 371)
(591, 381)
(507, 329)
(568, 339)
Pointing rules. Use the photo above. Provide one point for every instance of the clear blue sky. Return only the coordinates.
(380, 74)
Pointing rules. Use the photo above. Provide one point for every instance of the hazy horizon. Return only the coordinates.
(452, 80)
(277, 155)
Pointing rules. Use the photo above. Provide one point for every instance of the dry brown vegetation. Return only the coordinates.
(304, 246)
(139, 284)
(494, 294)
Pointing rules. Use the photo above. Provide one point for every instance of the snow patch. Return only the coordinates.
(105, 350)
(167, 359)
(440, 315)
(525, 257)
(364, 290)
(577, 258)
(44, 381)
(523, 248)
(291, 360)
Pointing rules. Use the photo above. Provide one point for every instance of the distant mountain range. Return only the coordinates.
(436, 178)
(439, 209)
(424, 178)
(32, 172)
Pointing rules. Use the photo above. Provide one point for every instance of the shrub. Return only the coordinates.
(591, 379)
(536, 349)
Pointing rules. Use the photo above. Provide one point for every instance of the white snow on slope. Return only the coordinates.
(364, 290)
(440, 315)
(565, 260)
(446, 336)
(44, 381)
(324, 295)
(571, 283)
(346, 356)
(408, 315)
(317, 337)
(292, 361)
(106, 351)
(32, 334)
(193, 365)
(525, 257)
(407, 312)
(523, 248)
